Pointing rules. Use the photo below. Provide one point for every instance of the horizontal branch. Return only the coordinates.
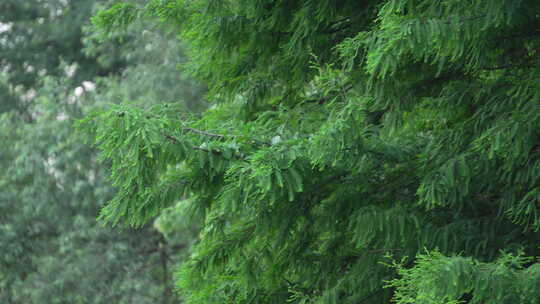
(197, 131)
(222, 136)
(177, 141)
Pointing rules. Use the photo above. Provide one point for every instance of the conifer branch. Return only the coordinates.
(222, 136)
(215, 152)
(209, 134)
(177, 141)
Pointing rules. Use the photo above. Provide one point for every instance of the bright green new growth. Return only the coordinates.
(509, 279)
(344, 133)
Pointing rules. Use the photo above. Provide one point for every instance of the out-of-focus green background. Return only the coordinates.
(53, 70)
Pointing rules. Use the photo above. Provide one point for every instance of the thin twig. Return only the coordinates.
(220, 136)
(176, 140)
(223, 137)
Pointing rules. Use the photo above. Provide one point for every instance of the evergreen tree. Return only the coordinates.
(357, 152)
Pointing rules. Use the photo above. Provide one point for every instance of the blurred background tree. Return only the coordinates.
(36, 37)
(52, 73)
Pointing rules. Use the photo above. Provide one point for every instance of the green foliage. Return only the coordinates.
(509, 279)
(343, 133)
(45, 38)
(52, 248)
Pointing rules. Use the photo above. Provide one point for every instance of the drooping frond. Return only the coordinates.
(345, 134)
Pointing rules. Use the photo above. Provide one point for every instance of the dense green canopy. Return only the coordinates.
(356, 152)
